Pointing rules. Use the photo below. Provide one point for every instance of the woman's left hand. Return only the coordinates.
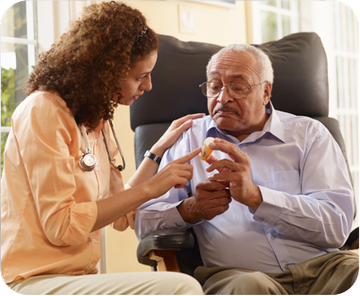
(131, 218)
(173, 133)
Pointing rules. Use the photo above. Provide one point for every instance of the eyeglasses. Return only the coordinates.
(236, 90)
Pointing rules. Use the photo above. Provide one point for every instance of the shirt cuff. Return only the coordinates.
(270, 209)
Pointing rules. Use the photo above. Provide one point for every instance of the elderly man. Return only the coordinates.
(276, 202)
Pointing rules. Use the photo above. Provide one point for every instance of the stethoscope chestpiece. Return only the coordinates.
(87, 162)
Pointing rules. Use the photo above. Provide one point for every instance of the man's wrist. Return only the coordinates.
(257, 199)
(188, 212)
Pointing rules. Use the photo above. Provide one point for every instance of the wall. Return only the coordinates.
(212, 24)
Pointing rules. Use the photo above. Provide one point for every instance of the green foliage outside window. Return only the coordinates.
(7, 103)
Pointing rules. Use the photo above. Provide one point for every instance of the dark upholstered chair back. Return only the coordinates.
(300, 85)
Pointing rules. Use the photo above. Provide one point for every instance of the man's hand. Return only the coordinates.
(211, 199)
(236, 173)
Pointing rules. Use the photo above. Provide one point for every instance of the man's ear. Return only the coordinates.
(267, 93)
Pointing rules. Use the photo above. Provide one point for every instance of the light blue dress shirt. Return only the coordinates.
(307, 207)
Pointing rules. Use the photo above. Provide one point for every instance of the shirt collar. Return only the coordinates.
(273, 126)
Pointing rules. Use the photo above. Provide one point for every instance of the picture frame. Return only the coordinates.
(223, 3)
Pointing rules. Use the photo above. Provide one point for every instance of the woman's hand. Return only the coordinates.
(173, 133)
(175, 174)
(131, 218)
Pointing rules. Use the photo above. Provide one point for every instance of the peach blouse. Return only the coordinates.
(48, 204)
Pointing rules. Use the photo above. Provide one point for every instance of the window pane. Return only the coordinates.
(14, 21)
(268, 26)
(340, 83)
(270, 3)
(342, 125)
(353, 86)
(337, 26)
(13, 76)
(19, 21)
(3, 142)
(286, 25)
(285, 4)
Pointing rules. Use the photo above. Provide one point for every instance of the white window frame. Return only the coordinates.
(30, 41)
(258, 6)
(350, 41)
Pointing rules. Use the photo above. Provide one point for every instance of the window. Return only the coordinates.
(18, 52)
(347, 96)
(337, 26)
(277, 19)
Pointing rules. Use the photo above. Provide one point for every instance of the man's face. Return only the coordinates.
(238, 117)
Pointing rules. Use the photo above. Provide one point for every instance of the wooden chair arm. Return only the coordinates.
(157, 249)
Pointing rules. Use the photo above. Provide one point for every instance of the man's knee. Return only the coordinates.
(236, 282)
(256, 283)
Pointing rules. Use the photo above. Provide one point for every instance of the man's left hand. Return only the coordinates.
(236, 173)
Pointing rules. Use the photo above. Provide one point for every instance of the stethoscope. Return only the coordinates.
(88, 161)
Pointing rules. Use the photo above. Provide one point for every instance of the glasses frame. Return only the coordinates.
(227, 87)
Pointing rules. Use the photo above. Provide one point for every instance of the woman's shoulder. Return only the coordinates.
(44, 103)
(45, 112)
(43, 99)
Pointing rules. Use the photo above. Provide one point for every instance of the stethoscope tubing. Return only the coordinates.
(88, 161)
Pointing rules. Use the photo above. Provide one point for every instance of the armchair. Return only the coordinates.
(298, 60)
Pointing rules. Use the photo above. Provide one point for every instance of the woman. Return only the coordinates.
(59, 187)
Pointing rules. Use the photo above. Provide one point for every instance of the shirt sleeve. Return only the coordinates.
(162, 213)
(45, 132)
(323, 213)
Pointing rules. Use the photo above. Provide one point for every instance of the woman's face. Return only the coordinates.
(138, 80)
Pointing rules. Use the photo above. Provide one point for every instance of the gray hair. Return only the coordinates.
(265, 67)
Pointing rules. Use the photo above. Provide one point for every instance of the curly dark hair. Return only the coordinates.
(90, 61)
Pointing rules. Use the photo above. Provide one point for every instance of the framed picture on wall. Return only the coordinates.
(223, 3)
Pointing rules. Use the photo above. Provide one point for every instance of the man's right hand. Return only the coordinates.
(211, 199)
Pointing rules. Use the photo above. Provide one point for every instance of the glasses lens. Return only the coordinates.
(235, 90)
(212, 89)
(238, 90)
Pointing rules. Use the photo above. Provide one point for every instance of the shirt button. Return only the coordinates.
(91, 265)
(95, 240)
(95, 141)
